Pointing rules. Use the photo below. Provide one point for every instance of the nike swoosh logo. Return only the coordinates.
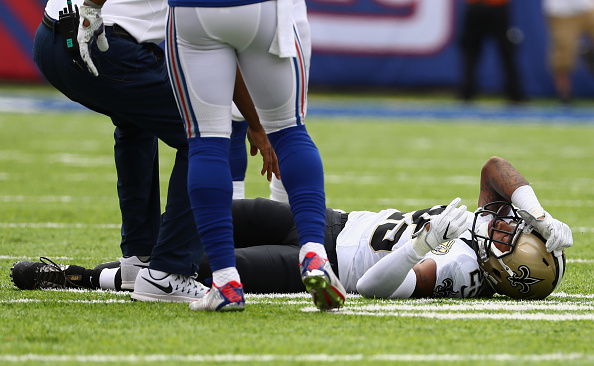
(445, 233)
(162, 288)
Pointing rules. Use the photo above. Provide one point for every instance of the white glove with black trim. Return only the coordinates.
(557, 234)
(87, 34)
(448, 225)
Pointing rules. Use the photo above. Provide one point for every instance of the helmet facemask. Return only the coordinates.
(482, 235)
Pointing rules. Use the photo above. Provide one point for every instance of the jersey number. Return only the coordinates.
(389, 232)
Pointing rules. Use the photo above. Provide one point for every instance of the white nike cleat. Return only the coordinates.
(225, 298)
(152, 285)
(130, 267)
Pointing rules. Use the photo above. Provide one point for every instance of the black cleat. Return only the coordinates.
(29, 275)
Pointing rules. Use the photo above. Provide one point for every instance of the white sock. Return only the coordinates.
(225, 275)
(317, 248)
(238, 189)
(107, 278)
(277, 191)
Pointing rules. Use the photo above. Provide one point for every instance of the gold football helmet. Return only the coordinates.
(513, 256)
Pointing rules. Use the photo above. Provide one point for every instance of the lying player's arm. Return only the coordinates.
(426, 275)
(500, 181)
(399, 275)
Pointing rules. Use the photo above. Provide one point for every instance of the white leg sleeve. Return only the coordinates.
(407, 287)
(107, 278)
(386, 276)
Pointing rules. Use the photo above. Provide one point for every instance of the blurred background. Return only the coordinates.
(368, 44)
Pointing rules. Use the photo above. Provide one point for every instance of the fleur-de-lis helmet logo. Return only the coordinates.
(523, 279)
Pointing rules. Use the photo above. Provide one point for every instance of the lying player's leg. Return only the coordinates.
(45, 274)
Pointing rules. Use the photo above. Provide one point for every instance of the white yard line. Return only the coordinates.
(458, 316)
(545, 310)
(390, 201)
(239, 358)
(56, 225)
(487, 305)
(383, 305)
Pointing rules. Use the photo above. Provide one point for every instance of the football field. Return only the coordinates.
(58, 199)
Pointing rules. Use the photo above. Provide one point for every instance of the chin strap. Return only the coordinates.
(482, 233)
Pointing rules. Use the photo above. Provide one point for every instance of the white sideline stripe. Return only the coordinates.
(320, 357)
(13, 257)
(389, 201)
(52, 199)
(56, 258)
(61, 225)
(304, 298)
(563, 294)
(455, 316)
(458, 305)
(471, 304)
(478, 307)
(56, 225)
(583, 229)
(108, 301)
(576, 260)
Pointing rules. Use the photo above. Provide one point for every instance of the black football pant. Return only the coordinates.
(267, 246)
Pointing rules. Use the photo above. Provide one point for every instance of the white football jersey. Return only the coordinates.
(369, 236)
(145, 20)
(458, 272)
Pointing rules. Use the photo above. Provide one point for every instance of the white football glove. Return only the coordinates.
(86, 35)
(448, 225)
(557, 234)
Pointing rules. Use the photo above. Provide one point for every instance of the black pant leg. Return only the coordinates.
(513, 87)
(267, 246)
(270, 269)
(261, 221)
(473, 32)
(137, 167)
(263, 269)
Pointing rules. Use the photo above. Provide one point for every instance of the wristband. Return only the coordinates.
(525, 198)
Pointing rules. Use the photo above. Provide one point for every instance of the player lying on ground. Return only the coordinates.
(436, 252)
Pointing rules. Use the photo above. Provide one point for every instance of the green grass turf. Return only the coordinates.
(58, 199)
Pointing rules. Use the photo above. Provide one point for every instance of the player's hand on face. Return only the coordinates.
(91, 29)
(259, 141)
(450, 224)
(557, 234)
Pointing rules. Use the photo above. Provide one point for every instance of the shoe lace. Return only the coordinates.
(189, 285)
(52, 275)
